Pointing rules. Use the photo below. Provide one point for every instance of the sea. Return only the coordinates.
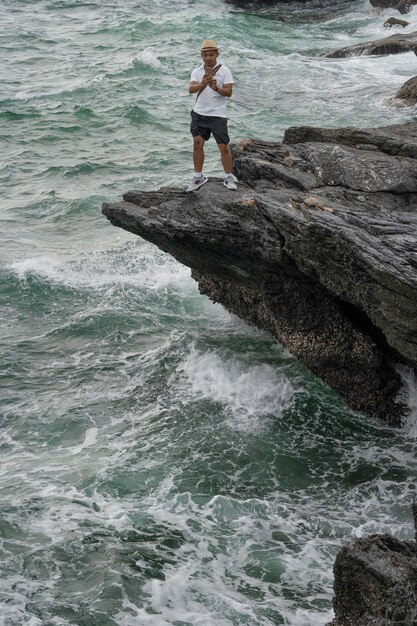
(161, 462)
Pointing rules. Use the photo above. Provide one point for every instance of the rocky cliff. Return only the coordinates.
(375, 582)
(318, 246)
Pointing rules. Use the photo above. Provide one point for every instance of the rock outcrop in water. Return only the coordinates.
(375, 582)
(318, 246)
(408, 91)
(394, 21)
(394, 44)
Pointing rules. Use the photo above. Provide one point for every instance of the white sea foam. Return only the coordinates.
(409, 379)
(89, 440)
(250, 393)
(147, 57)
(100, 271)
(66, 89)
(208, 583)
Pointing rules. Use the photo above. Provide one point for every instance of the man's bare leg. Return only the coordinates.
(226, 157)
(198, 153)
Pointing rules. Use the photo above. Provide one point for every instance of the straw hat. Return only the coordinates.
(208, 44)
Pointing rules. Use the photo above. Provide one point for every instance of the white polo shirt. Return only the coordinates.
(210, 102)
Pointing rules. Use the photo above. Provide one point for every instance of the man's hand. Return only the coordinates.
(207, 78)
(213, 84)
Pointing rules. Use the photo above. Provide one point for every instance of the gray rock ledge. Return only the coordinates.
(318, 246)
(395, 44)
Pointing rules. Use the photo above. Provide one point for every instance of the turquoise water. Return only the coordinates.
(162, 462)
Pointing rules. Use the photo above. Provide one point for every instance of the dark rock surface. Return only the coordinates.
(317, 246)
(376, 583)
(384, 4)
(394, 21)
(389, 45)
(408, 92)
(403, 6)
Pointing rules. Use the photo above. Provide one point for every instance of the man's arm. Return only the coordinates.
(226, 90)
(193, 87)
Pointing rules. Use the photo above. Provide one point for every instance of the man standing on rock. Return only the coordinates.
(213, 83)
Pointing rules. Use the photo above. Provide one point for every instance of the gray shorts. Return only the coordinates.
(204, 125)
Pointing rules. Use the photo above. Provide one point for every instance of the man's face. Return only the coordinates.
(209, 57)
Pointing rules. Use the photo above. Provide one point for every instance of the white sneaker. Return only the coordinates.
(197, 182)
(230, 181)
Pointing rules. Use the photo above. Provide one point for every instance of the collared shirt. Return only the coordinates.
(210, 102)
